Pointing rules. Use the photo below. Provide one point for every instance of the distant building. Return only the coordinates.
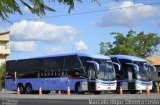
(156, 62)
(4, 47)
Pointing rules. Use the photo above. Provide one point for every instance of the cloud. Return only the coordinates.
(41, 31)
(49, 51)
(80, 46)
(26, 46)
(156, 22)
(128, 16)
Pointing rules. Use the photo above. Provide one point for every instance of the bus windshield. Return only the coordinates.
(106, 70)
(144, 72)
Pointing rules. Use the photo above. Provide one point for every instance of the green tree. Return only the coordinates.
(37, 7)
(141, 44)
(2, 76)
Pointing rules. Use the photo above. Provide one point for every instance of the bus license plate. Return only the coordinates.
(109, 88)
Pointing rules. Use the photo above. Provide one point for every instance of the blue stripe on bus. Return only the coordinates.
(144, 82)
(44, 83)
(106, 82)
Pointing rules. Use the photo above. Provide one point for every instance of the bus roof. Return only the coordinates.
(100, 56)
(133, 58)
(79, 54)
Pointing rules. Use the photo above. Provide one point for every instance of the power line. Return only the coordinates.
(87, 12)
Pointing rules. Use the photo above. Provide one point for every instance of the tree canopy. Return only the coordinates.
(2, 71)
(141, 44)
(37, 7)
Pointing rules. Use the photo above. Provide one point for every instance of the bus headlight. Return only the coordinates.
(138, 77)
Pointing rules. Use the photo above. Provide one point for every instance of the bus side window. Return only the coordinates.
(62, 73)
(114, 59)
(71, 62)
(56, 74)
(76, 73)
(65, 73)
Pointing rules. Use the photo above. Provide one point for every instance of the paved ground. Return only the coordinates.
(45, 102)
(11, 101)
(11, 98)
(53, 95)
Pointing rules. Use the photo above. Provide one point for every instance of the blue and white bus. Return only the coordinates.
(79, 71)
(135, 73)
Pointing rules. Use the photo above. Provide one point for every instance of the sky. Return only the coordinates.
(31, 36)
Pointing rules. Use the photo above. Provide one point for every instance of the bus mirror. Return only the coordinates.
(136, 67)
(116, 65)
(153, 67)
(95, 64)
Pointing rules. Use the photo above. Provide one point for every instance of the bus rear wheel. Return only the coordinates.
(21, 88)
(29, 89)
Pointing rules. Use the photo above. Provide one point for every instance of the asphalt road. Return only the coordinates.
(79, 102)
(11, 98)
(43, 102)
(79, 97)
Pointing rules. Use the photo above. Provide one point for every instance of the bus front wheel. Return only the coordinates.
(29, 89)
(78, 89)
(97, 92)
(133, 91)
(46, 92)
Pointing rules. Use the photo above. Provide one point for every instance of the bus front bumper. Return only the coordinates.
(141, 85)
(105, 85)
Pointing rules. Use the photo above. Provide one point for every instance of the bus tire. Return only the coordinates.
(46, 92)
(28, 88)
(78, 88)
(21, 88)
(97, 92)
(133, 91)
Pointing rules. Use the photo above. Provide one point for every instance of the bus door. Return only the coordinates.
(131, 75)
(92, 75)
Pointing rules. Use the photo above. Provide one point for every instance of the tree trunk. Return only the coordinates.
(0, 84)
